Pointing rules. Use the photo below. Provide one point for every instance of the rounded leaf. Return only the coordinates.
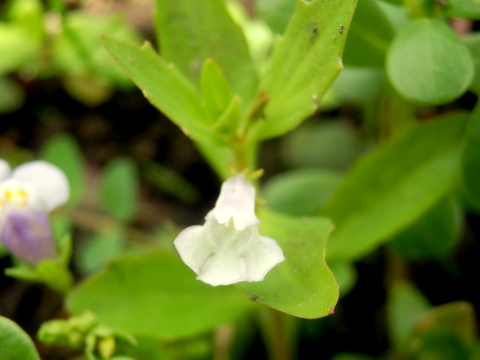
(63, 151)
(156, 295)
(427, 63)
(15, 343)
(119, 189)
(301, 192)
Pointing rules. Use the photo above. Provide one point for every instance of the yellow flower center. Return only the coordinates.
(14, 193)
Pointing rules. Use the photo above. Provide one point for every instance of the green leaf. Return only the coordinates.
(394, 185)
(119, 189)
(358, 85)
(369, 36)
(189, 32)
(304, 64)
(472, 41)
(434, 235)
(302, 285)
(427, 63)
(63, 151)
(15, 343)
(332, 145)
(78, 52)
(471, 159)
(55, 275)
(170, 182)
(230, 121)
(276, 13)
(405, 306)
(29, 14)
(445, 332)
(98, 249)
(156, 295)
(18, 48)
(301, 192)
(466, 9)
(216, 94)
(165, 87)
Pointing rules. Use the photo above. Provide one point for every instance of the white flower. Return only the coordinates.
(223, 252)
(236, 202)
(27, 195)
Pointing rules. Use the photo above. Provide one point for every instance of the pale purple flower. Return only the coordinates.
(228, 247)
(28, 235)
(27, 195)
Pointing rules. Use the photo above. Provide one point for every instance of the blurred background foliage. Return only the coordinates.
(391, 156)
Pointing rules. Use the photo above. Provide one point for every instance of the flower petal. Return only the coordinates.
(223, 269)
(264, 253)
(48, 181)
(222, 255)
(193, 247)
(4, 170)
(28, 235)
(236, 201)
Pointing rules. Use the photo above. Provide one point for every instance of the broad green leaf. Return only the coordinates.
(434, 235)
(358, 85)
(155, 349)
(427, 63)
(276, 13)
(304, 64)
(189, 32)
(472, 41)
(405, 306)
(119, 189)
(331, 145)
(165, 87)
(63, 151)
(471, 159)
(369, 36)
(15, 344)
(100, 248)
(302, 285)
(18, 48)
(156, 295)
(301, 192)
(445, 332)
(466, 9)
(394, 185)
(396, 13)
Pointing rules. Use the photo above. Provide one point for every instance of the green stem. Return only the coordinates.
(240, 157)
(278, 332)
